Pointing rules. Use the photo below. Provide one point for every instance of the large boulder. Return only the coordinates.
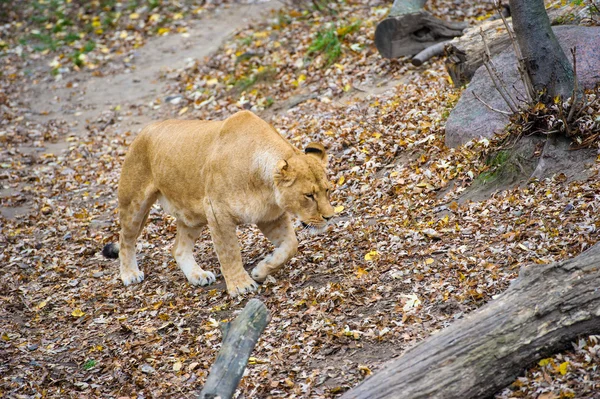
(471, 119)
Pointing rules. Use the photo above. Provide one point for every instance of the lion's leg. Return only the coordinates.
(183, 252)
(281, 233)
(222, 231)
(133, 213)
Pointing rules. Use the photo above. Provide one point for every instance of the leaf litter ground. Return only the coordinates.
(404, 258)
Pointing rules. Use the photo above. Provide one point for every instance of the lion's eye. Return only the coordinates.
(310, 196)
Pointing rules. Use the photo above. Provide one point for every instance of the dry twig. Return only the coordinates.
(490, 107)
(496, 78)
(521, 62)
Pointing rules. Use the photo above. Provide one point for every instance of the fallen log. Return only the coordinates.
(543, 310)
(429, 52)
(409, 29)
(239, 338)
(466, 53)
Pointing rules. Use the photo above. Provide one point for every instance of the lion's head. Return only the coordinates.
(302, 188)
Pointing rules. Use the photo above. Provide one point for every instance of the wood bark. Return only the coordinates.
(544, 309)
(547, 64)
(239, 338)
(465, 53)
(409, 29)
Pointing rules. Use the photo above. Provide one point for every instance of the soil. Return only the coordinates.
(82, 98)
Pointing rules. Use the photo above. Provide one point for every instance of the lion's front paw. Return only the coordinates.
(201, 277)
(261, 271)
(132, 277)
(244, 286)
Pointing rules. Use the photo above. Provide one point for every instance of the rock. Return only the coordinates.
(147, 369)
(174, 99)
(470, 119)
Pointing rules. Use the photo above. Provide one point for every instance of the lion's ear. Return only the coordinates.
(318, 151)
(283, 174)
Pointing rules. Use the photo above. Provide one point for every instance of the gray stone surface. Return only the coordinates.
(471, 119)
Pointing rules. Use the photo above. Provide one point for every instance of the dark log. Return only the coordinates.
(409, 29)
(239, 338)
(429, 52)
(543, 310)
(465, 54)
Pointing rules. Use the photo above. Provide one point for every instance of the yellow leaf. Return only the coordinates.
(96, 24)
(377, 135)
(77, 313)
(123, 35)
(545, 362)
(360, 272)
(563, 368)
(162, 31)
(177, 366)
(134, 15)
(341, 181)
(372, 255)
(261, 35)
(183, 111)
(364, 369)
(154, 17)
(118, 108)
(5, 337)
(338, 209)
(347, 87)
(428, 261)
(177, 16)
(42, 304)
(253, 360)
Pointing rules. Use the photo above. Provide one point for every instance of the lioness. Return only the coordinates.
(220, 173)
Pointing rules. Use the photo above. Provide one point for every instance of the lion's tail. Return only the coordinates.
(111, 251)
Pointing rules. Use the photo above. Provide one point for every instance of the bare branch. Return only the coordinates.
(521, 63)
(496, 78)
(490, 107)
(574, 99)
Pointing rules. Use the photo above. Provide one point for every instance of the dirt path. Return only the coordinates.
(82, 98)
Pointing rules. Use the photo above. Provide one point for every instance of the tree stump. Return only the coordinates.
(239, 338)
(543, 310)
(409, 30)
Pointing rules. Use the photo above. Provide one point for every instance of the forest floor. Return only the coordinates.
(409, 251)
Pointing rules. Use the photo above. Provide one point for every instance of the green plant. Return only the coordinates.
(245, 83)
(262, 75)
(89, 364)
(495, 164)
(329, 42)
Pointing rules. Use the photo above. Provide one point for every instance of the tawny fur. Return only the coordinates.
(221, 174)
